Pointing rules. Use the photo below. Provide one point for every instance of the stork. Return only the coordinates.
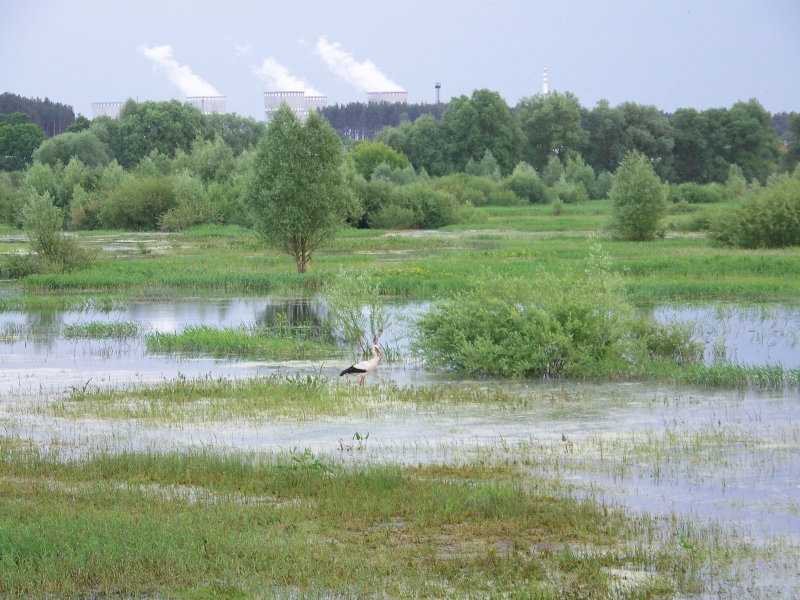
(365, 367)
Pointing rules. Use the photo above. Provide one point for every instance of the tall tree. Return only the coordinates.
(162, 126)
(425, 146)
(551, 124)
(708, 142)
(83, 145)
(792, 157)
(637, 199)
(613, 132)
(18, 141)
(239, 133)
(479, 123)
(297, 188)
(368, 155)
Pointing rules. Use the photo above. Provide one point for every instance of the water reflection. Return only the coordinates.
(755, 335)
(32, 352)
(298, 314)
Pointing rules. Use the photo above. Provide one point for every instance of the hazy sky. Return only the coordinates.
(672, 54)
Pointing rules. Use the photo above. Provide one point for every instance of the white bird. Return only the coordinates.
(365, 367)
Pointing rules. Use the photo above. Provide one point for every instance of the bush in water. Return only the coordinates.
(576, 323)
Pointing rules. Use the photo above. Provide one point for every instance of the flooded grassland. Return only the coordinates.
(164, 448)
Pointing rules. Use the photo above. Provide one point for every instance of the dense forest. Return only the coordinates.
(361, 121)
(165, 165)
(52, 117)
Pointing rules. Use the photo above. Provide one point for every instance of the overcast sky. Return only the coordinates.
(671, 54)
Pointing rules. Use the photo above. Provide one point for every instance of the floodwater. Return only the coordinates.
(41, 358)
(729, 457)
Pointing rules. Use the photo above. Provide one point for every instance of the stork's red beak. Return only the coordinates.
(378, 350)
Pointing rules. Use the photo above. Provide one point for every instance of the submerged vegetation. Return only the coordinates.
(238, 525)
(240, 342)
(574, 323)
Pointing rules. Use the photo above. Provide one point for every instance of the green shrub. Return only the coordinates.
(367, 156)
(553, 171)
(570, 193)
(11, 198)
(384, 172)
(137, 204)
(487, 167)
(193, 206)
(54, 251)
(17, 266)
(577, 172)
(575, 323)
(736, 184)
(505, 197)
(84, 209)
(694, 193)
(474, 197)
(637, 199)
(392, 216)
(603, 185)
(682, 207)
(770, 219)
(526, 184)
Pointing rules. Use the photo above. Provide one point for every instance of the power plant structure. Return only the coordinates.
(106, 109)
(544, 82)
(208, 104)
(297, 101)
(390, 97)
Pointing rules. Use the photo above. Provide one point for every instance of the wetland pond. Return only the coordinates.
(727, 457)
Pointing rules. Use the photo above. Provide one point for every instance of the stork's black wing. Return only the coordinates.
(352, 371)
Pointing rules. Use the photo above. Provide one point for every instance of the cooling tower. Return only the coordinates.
(208, 104)
(295, 100)
(106, 109)
(316, 102)
(390, 97)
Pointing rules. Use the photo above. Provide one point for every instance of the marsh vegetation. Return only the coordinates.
(560, 413)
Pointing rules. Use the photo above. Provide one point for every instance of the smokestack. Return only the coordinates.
(544, 82)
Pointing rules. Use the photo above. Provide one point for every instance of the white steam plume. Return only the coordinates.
(277, 79)
(365, 76)
(181, 76)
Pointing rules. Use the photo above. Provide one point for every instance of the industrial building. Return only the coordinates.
(297, 101)
(106, 109)
(390, 97)
(208, 104)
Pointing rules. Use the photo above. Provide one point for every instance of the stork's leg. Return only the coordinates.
(363, 377)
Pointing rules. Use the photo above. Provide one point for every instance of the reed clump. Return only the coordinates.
(240, 341)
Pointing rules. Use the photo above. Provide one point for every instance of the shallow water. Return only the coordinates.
(729, 457)
(756, 335)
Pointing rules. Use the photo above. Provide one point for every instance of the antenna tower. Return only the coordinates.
(544, 81)
(438, 87)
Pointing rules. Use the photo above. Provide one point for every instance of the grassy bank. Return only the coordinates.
(203, 525)
(514, 241)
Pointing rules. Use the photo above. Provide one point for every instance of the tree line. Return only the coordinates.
(52, 117)
(690, 146)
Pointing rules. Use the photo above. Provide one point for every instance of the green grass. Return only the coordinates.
(101, 330)
(204, 524)
(207, 398)
(240, 342)
(514, 241)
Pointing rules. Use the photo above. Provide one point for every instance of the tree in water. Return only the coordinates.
(297, 187)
